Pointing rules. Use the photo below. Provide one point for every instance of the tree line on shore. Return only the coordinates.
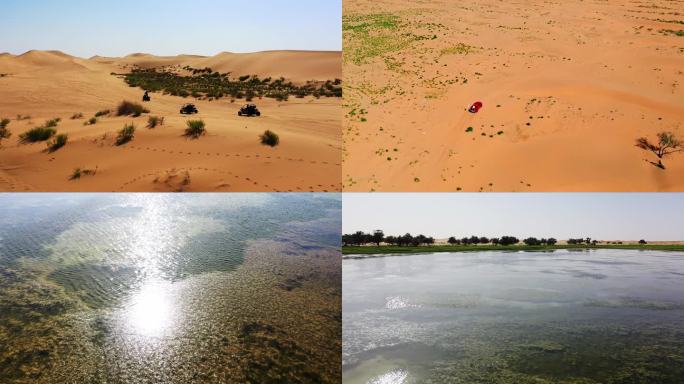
(378, 237)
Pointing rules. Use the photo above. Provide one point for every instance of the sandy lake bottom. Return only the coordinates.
(152, 288)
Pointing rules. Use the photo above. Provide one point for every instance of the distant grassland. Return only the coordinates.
(382, 250)
(205, 83)
(375, 35)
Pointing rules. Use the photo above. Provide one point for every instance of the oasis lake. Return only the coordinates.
(580, 316)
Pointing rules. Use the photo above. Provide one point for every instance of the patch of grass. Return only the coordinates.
(52, 122)
(78, 172)
(129, 108)
(103, 112)
(373, 35)
(269, 138)
(391, 249)
(458, 49)
(76, 116)
(154, 121)
(679, 33)
(37, 134)
(57, 142)
(195, 128)
(125, 134)
(4, 132)
(91, 121)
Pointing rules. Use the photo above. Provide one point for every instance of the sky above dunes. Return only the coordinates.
(606, 216)
(86, 28)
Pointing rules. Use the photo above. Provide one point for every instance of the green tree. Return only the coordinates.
(378, 236)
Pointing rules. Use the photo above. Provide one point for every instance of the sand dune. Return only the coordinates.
(48, 84)
(567, 87)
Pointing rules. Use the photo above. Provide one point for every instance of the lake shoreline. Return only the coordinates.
(364, 252)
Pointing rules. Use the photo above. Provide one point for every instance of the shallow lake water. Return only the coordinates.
(599, 316)
(170, 288)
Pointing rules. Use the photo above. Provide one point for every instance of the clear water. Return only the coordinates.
(169, 288)
(600, 316)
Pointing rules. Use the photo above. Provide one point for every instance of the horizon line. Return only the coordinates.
(176, 55)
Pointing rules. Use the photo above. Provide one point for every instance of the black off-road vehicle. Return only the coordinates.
(249, 110)
(188, 109)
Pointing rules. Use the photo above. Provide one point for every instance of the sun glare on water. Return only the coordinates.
(151, 310)
(397, 376)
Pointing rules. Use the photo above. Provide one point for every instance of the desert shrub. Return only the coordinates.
(23, 117)
(153, 121)
(125, 134)
(37, 134)
(4, 132)
(103, 112)
(281, 96)
(195, 128)
(57, 142)
(52, 122)
(127, 108)
(77, 116)
(269, 138)
(91, 121)
(76, 174)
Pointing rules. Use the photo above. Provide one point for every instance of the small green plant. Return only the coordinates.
(128, 108)
(76, 174)
(153, 121)
(91, 121)
(269, 138)
(57, 142)
(75, 116)
(52, 122)
(4, 132)
(469, 129)
(125, 134)
(195, 128)
(103, 112)
(37, 134)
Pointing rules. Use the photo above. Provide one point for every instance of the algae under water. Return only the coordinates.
(170, 288)
(566, 316)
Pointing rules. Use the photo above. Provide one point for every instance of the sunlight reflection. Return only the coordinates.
(153, 238)
(151, 310)
(397, 376)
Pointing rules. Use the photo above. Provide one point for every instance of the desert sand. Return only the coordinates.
(50, 84)
(567, 87)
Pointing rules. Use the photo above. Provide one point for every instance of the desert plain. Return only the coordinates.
(567, 88)
(39, 86)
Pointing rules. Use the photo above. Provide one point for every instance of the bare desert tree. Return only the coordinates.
(667, 144)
